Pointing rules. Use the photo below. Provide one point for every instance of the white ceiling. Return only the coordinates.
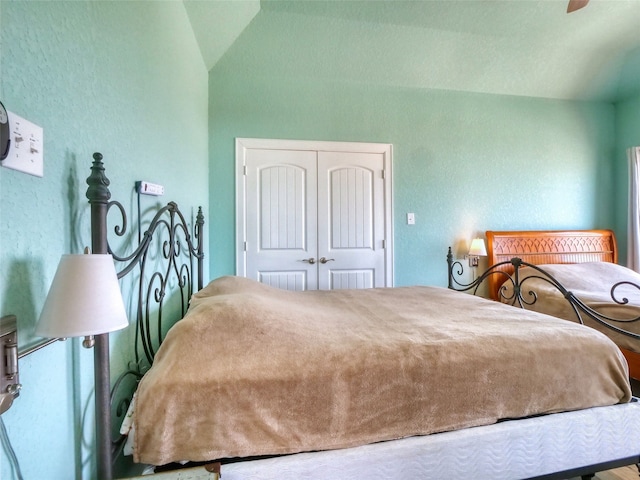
(513, 47)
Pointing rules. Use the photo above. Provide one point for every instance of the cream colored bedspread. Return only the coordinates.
(590, 282)
(254, 370)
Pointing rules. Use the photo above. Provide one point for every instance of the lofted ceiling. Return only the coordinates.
(512, 47)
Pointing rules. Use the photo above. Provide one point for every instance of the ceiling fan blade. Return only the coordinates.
(576, 5)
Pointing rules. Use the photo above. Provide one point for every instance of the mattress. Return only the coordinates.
(509, 450)
(253, 370)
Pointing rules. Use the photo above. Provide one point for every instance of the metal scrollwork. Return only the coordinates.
(164, 260)
(623, 300)
(514, 291)
(159, 278)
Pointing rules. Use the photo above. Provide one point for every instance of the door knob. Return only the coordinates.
(325, 260)
(311, 260)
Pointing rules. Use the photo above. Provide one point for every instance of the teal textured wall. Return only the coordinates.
(627, 135)
(122, 78)
(463, 163)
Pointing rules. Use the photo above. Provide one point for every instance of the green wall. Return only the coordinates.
(627, 135)
(122, 78)
(463, 163)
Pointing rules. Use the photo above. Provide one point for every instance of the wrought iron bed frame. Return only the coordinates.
(521, 297)
(180, 250)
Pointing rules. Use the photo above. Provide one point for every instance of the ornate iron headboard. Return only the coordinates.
(174, 261)
(169, 267)
(177, 258)
(517, 295)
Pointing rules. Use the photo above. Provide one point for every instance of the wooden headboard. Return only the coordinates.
(546, 247)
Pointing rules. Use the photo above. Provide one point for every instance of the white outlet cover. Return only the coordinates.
(411, 219)
(26, 149)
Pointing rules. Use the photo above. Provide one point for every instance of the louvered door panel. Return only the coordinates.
(351, 212)
(282, 207)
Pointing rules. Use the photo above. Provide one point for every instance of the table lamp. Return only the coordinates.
(84, 299)
(476, 251)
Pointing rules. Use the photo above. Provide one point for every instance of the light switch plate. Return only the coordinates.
(411, 219)
(26, 149)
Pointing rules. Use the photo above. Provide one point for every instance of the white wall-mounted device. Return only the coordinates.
(148, 188)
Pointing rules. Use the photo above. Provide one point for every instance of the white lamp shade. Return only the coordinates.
(84, 299)
(478, 248)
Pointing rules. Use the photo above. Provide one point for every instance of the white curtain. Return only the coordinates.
(633, 224)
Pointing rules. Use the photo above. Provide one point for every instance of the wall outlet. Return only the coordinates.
(26, 149)
(148, 188)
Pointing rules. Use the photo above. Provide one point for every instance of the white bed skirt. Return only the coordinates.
(515, 449)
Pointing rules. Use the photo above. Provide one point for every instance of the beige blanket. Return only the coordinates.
(253, 370)
(590, 282)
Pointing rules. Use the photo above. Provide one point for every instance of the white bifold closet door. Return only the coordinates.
(314, 215)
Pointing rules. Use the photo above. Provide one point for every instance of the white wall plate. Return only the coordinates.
(26, 149)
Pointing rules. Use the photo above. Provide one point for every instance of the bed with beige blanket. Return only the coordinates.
(590, 282)
(400, 384)
(256, 371)
(584, 262)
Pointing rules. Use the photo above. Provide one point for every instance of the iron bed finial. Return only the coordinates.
(98, 191)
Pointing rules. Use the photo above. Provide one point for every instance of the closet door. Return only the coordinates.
(314, 215)
(350, 236)
(281, 218)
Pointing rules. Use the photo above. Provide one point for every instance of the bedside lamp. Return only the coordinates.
(84, 299)
(476, 251)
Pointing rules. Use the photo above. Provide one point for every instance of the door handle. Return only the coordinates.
(311, 260)
(325, 260)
